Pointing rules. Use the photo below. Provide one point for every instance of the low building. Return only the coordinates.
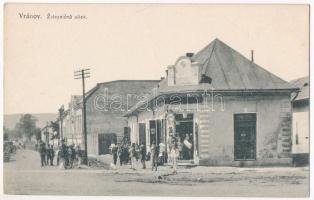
(301, 126)
(72, 121)
(105, 105)
(232, 111)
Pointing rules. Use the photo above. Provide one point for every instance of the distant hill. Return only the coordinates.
(42, 118)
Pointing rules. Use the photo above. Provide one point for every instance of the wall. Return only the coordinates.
(273, 131)
(144, 117)
(107, 105)
(183, 72)
(301, 127)
(216, 128)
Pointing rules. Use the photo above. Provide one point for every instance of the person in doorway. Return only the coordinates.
(143, 155)
(187, 147)
(180, 147)
(154, 156)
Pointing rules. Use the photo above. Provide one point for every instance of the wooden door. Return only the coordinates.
(245, 136)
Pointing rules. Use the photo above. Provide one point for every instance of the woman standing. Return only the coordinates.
(174, 152)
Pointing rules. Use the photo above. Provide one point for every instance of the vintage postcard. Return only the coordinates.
(201, 100)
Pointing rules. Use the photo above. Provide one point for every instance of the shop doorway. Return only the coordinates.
(104, 142)
(142, 133)
(184, 133)
(245, 136)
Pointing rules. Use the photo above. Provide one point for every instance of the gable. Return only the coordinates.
(184, 72)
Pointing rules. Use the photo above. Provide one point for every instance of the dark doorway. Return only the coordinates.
(142, 133)
(104, 142)
(126, 136)
(184, 133)
(152, 131)
(155, 127)
(245, 136)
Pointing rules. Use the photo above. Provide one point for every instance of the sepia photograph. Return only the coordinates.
(178, 100)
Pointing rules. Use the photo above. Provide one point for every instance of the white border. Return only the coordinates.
(310, 2)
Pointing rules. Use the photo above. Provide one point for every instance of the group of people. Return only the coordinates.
(185, 147)
(129, 153)
(47, 154)
(157, 155)
(67, 154)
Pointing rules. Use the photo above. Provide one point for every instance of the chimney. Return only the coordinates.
(190, 55)
(252, 55)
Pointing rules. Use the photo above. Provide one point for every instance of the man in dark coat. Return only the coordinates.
(114, 152)
(42, 152)
(51, 154)
(48, 155)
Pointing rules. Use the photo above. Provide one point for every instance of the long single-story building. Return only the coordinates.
(232, 111)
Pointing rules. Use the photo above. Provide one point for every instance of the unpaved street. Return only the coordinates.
(24, 175)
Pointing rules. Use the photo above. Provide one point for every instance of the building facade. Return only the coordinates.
(231, 111)
(105, 105)
(72, 122)
(301, 116)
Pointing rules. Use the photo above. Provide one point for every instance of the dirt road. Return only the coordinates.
(24, 175)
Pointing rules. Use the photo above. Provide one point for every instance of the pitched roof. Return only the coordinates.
(230, 70)
(148, 83)
(304, 85)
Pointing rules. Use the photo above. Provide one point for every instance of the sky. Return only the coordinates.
(137, 41)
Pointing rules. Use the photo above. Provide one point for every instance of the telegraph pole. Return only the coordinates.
(61, 110)
(82, 74)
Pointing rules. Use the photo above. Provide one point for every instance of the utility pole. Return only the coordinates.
(82, 74)
(47, 133)
(61, 111)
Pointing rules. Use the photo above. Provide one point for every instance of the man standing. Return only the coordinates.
(154, 156)
(48, 154)
(51, 154)
(143, 155)
(114, 152)
(42, 152)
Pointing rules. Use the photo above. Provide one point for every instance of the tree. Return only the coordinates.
(38, 134)
(6, 133)
(26, 126)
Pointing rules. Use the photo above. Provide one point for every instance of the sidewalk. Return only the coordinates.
(198, 171)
